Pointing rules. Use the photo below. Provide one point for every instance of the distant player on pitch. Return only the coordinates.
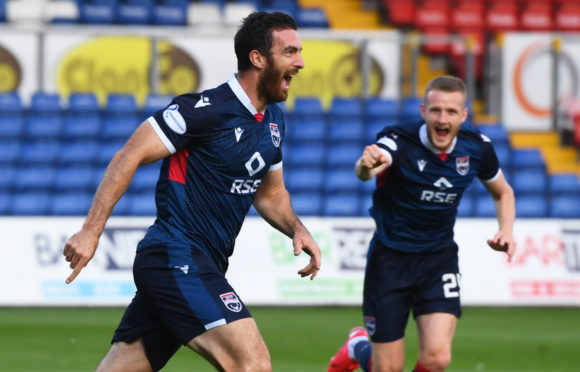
(422, 170)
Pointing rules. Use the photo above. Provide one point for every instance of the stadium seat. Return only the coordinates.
(343, 107)
(307, 203)
(534, 17)
(121, 104)
(83, 104)
(432, 20)
(170, 12)
(341, 205)
(142, 205)
(309, 179)
(118, 128)
(154, 103)
(307, 107)
(341, 180)
(135, 12)
(204, 15)
(495, 132)
(502, 17)
(81, 128)
(346, 130)
(39, 153)
(306, 155)
(45, 104)
(503, 152)
(401, 13)
(11, 103)
(30, 204)
(5, 199)
(311, 18)
(527, 158)
(107, 150)
(78, 153)
(9, 151)
(410, 109)
(75, 178)
(466, 206)
(61, 12)
(567, 18)
(564, 184)
(484, 206)
(366, 202)
(306, 129)
(70, 204)
(343, 155)
(98, 11)
(36, 178)
(43, 128)
(562, 206)
(378, 108)
(532, 206)
(234, 13)
(468, 16)
(122, 206)
(7, 174)
(11, 126)
(373, 128)
(526, 181)
(145, 179)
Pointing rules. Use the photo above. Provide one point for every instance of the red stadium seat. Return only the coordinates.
(536, 18)
(500, 17)
(567, 18)
(467, 17)
(401, 12)
(432, 15)
(458, 49)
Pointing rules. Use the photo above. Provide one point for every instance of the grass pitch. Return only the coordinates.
(300, 339)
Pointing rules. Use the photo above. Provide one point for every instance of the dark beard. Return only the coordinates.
(269, 85)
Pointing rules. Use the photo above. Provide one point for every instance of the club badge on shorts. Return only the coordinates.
(462, 165)
(275, 134)
(370, 324)
(231, 301)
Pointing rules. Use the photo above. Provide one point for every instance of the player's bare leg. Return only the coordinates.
(389, 356)
(436, 332)
(124, 357)
(234, 347)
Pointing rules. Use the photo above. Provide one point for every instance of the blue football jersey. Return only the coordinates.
(416, 199)
(220, 154)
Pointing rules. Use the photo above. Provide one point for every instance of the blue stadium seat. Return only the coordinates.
(343, 107)
(307, 107)
(410, 110)
(367, 188)
(343, 155)
(98, 11)
(81, 128)
(341, 180)
(378, 108)
(170, 12)
(78, 153)
(503, 152)
(307, 129)
(85, 104)
(36, 178)
(346, 130)
(532, 206)
(7, 175)
(11, 126)
(564, 183)
(307, 203)
(10, 103)
(43, 128)
(365, 204)
(142, 205)
(39, 152)
(313, 154)
(154, 103)
(75, 178)
(563, 206)
(121, 105)
(527, 158)
(341, 205)
(373, 127)
(304, 179)
(45, 104)
(70, 204)
(484, 206)
(495, 132)
(107, 150)
(122, 206)
(135, 12)
(311, 18)
(118, 129)
(5, 199)
(30, 204)
(145, 179)
(527, 181)
(9, 152)
(466, 206)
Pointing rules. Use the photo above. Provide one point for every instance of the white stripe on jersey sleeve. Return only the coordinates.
(383, 140)
(161, 135)
(493, 178)
(275, 166)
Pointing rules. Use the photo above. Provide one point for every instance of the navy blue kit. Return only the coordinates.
(412, 259)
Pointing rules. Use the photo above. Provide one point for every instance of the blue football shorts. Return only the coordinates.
(397, 282)
(180, 295)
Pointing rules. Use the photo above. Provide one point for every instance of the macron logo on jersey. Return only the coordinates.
(203, 101)
(238, 132)
(174, 120)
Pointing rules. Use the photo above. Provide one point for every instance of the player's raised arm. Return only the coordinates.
(373, 161)
(272, 201)
(503, 196)
(143, 147)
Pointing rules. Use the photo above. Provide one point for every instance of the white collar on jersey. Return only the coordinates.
(427, 143)
(241, 94)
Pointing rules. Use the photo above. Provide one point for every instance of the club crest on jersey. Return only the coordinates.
(370, 324)
(231, 301)
(275, 134)
(462, 165)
